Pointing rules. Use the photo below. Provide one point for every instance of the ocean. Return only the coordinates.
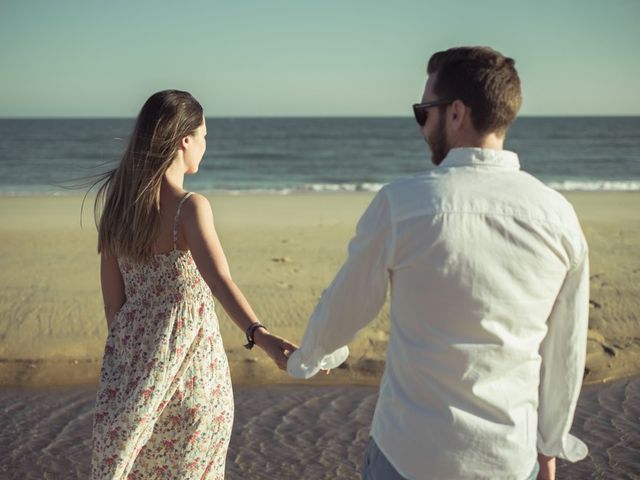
(287, 432)
(283, 155)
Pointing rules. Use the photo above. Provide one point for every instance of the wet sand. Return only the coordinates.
(291, 432)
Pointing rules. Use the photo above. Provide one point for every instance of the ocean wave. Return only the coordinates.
(304, 188)
(596, 185)
(562, 185)
(16, 191)
(342, 187)
(44, 191)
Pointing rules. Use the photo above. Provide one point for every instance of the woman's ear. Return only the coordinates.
(184, 143)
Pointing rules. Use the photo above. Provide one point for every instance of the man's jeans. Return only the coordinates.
(377, 467)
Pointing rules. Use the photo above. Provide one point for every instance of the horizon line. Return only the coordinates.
(294, 117)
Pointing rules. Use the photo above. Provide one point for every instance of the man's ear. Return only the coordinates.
(458, 112)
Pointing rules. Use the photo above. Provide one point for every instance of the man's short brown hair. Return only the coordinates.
(484, 80)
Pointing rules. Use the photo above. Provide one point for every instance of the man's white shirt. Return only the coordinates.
(489, 280)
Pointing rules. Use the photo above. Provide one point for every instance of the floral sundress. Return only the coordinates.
(164, 407)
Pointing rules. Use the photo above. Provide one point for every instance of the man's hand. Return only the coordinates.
(276, 347)
(547, 467)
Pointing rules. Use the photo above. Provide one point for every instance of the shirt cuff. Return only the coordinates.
(573, 449)
(303, 366)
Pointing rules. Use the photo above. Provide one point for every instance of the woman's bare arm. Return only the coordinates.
(112, 286)
(206, 249)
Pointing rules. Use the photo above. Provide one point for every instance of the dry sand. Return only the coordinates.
(283, 251)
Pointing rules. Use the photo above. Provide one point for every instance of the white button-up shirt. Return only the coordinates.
(489, 280)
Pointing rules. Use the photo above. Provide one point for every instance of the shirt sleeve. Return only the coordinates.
(563, 354)
(354, 297)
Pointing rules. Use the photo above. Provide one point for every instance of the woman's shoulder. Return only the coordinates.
(196, 200)
(196, 206)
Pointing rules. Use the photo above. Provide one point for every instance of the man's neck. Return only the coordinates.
(491, 141)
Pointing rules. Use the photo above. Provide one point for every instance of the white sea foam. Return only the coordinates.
(342, 187)
(562, 185)
(305, 188)
(596, 185)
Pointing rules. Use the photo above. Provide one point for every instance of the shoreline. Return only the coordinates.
(283, 251)
(364, 188)
(47, 375)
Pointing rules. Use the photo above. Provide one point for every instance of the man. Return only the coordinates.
(489, 296)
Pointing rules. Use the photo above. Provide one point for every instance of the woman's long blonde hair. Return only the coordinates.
(127, 206)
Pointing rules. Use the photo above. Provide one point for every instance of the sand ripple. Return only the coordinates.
(291, 432)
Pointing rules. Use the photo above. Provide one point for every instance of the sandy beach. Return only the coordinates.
(283, 251)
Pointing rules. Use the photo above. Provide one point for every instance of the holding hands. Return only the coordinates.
(275, 346)
(279, 349)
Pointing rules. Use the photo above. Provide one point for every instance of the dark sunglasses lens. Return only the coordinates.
(421, 115)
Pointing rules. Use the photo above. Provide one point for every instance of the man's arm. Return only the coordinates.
(563, 356)
(354, 297)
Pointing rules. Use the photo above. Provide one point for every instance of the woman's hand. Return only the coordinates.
(276, 347)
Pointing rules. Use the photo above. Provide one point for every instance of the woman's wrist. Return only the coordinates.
(250, 333)
(259, 334)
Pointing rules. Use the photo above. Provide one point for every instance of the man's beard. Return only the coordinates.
(437, 142)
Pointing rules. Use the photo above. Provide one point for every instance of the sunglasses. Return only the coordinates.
(420, 109)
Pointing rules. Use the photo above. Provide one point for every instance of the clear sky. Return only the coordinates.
(307, 57)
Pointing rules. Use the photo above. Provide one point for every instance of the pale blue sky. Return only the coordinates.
(302, 57)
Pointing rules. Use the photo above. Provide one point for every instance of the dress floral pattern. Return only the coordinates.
(164, 407)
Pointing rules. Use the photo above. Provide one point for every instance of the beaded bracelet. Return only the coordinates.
(251, 330)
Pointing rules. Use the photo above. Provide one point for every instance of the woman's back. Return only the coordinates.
(171, 275)
(170, 234)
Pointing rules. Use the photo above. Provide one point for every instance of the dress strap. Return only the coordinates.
(176, 220)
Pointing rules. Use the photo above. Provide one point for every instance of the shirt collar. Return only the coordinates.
(462, 157)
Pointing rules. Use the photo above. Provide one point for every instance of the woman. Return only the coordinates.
(164, 406)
